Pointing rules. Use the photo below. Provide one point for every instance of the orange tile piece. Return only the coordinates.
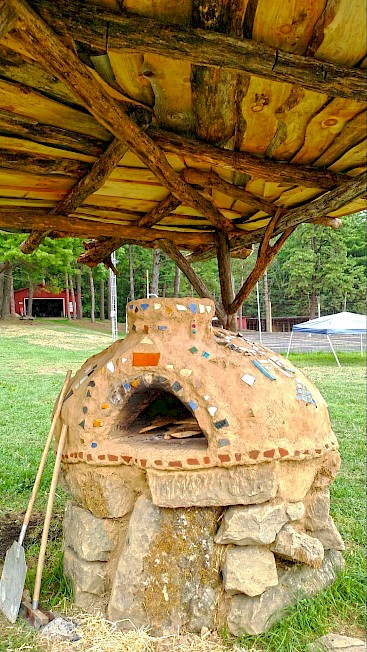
(104, 406)
(97, 423)
(135, 383)
(146, 359)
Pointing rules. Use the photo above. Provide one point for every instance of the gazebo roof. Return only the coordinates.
(148, 121)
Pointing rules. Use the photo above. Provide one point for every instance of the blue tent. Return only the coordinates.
(343, 323)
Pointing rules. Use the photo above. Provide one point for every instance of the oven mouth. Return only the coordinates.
(156, 417)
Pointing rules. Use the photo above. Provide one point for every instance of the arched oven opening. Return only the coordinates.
(154, 415)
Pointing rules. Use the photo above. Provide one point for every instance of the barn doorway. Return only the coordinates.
(46, 307)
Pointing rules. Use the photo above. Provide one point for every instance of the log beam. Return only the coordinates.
(213, 180)
(82, 227)
(161, 210)
(201, 47)
(51, 52)
(8, 18)
(246, 163)
(199, 286)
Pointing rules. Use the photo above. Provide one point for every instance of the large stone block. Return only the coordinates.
(317, 508)
(298, 546)
(295, 511)
(90, 537)
(296, 478)
(337, 643)
(239, 485)
(329, 536)
(89, 576)
(166, 576)
(107, 493)
(257, 615)
(249, 569)
(255, 524)
(90, 602)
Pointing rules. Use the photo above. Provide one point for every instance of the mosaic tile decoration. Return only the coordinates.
(194, 349)
(161, 328)
(193, 307)
(223, 423)
(264, 371)
(248, 379)
(145, 359)
(194, 406)
(144, 306)
(206, 354)
(176, 386)
(110, 366)
(303, 393)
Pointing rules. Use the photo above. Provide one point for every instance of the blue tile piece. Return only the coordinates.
(206, 354)
(162, 328)
(131, 306)
(193, 405)
(176, 386)
(85, 409)
(263, 370)
(93, 444)
(193, 307)
(161, 379)
(223, 423)
(144, 306)
(223, 442)
(127, 387)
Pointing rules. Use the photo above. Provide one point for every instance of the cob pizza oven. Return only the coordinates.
(199, 466)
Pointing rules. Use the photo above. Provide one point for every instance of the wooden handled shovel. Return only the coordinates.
(15, 569)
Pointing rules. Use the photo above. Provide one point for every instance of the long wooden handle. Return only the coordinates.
(44, 458)
(46, 525)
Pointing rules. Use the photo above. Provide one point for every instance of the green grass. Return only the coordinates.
(34, 358)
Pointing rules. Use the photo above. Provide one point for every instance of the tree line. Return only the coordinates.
(317, 266)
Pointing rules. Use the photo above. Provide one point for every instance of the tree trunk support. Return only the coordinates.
(225, 277)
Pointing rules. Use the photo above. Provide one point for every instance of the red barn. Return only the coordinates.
(45, 304)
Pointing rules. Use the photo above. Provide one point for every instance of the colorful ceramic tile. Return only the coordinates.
(186, 372)
(84, 409)
(223, 442)
(146, 359)
(223, 423)
(194, 349)
(169, 310)
(161, 379)
(88, 394)
(193, 405)
(131, 306)
(212, 410)
(248, 379)
(91, 383)
(110, 366)
(144, 306)
(169, 366)
(82, 424)
(208, 309)
(206, 354)
(146, 328)
(193, 307)
(97, 423)
(146, 340)
(176, 386)
(127, 387)
(105, 406)
(206, 397)
(93, 444)
(162, 328)
(266, 373)
(135, 383)
(201, 308)
(157, 306)
(123, 360)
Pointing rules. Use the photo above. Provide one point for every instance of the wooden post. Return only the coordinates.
(225, 277)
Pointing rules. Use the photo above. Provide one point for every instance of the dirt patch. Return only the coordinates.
(11, 524)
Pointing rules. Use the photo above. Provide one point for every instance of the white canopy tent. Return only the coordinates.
(343, 323)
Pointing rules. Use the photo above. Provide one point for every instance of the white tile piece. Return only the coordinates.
(110, 366)
(146, 340)
(212, 410)
(201, 308)
(207, 397)
(123, 360)
(208, 309)
(186, 372)
(179, 306)
(169, 366)
(248, 379)
(157, 306)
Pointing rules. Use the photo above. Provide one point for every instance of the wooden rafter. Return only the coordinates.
(213, 180)
(225, 274)
(7, 18)
(265, 255)
(47, 48)
(243, 162)
(199, 286)
(161, 210)
(92, 181)
(205, 48)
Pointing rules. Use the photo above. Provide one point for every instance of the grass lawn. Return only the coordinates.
(34, 357)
